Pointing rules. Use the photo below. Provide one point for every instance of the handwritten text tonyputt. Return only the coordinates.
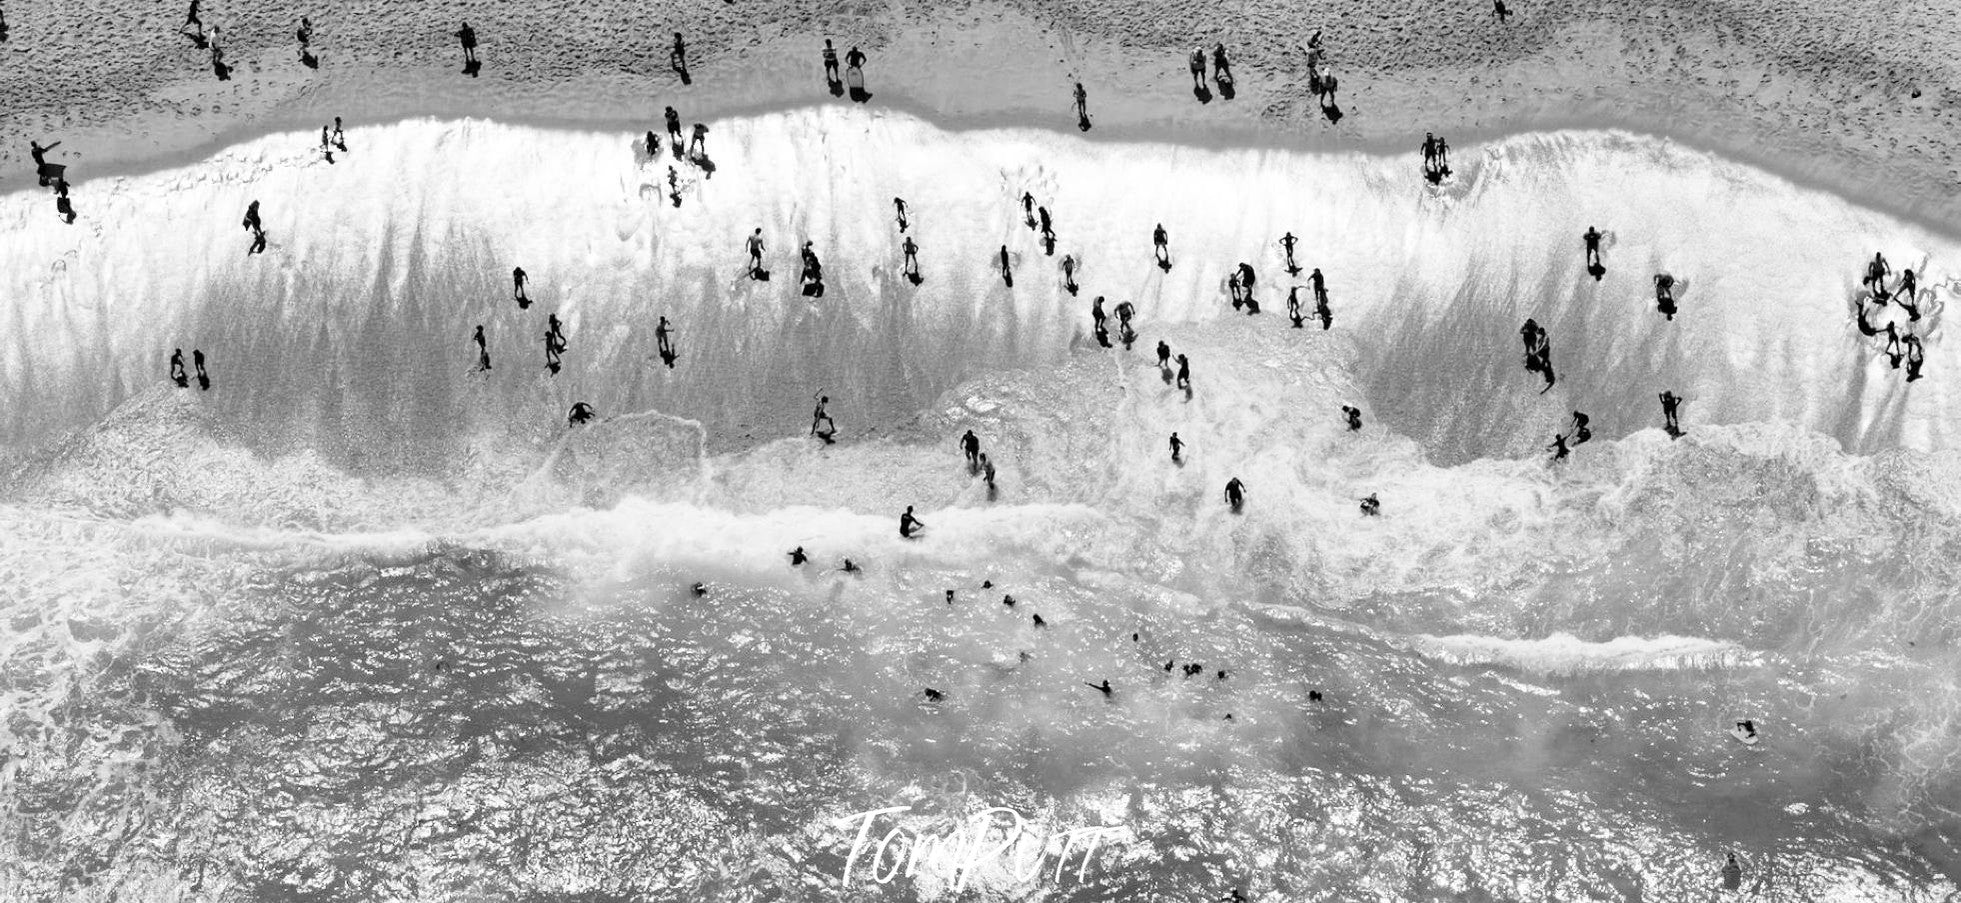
(984, 840)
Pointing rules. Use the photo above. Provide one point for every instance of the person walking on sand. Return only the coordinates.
(191, 19)
(677, 59)
(1082, 108)
(483, 349)
(831, 76)
(1198, 68)
(755, 244)
(39, 152)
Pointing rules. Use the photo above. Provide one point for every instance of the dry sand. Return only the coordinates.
(1823, 93)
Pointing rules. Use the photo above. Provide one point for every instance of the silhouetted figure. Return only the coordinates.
(1329, 108)
(1245, 278)
(483, 349)
(1082, 108)
(468, 37)
(1287, 242)
(218, 66)
(1294, 307)
(517, 288)
(1235, 494)
(1222, 71)
(191, 19)
(1371, 506)
(909, 525)
(1893, 351)
(813, 273)
(677, 59)
(1669, 404)
(1069, 274)
(1915, 357)
(1322, 311)
(258, 242)
(43, 170)
(326, 144)
(1732, 872)
(1177, 449)
(854, 75)
(831, 78)
(1353, 415)
(850, 567)
(797, 557)
(900, 205)
(970, 444)
(177, 369)
(1876, 273)
(1162, 245)
(64, 209)
(1102, 334)
(1096, 311)
(340, 138)
(1865, 326)
(1558, 447)
(1007, 269)
(987, 472)
(1125, 311)
(197, 364)
(1665, 295)
(1028, 209)
(1164, 355)
(664, 342)
(1197, 63)
(1580, 432)
(821, 424)
(1499, 7)
(1443, 155)
(252, 223)
(933, 695)
(653, 145)
(1595, 268)
(582, 414)
(698, 142)
(305, 32)
(910, 266)
(1184, 373)
(1126, 335)
(3, 26)
(674, 139)
(1103, 687)
(674, 188)
(552, 350)
(1907, 294)
(755, 245)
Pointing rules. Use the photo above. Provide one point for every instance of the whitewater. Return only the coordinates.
(361, 623)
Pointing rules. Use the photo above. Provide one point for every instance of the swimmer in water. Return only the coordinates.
(581, 413)
(909, 525)
(1558, 447)
(1371, 505)
(797, 557)
(1103, 687)
(1354, 417)
(1580, 432)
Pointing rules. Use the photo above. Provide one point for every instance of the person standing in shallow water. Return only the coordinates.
(1177, 449)
(483, 349)
(1235, 494)
(177, 369)
(517, 288)
(197, 363)
(1007, 268)
(900, 205)
(1184, 373)
(1669, 403)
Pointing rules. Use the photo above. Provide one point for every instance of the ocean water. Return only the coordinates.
(362, 624)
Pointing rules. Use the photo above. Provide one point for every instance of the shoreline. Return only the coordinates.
(999, 67)
(1255, 135)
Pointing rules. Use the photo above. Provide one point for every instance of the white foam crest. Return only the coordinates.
(1564, 653)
